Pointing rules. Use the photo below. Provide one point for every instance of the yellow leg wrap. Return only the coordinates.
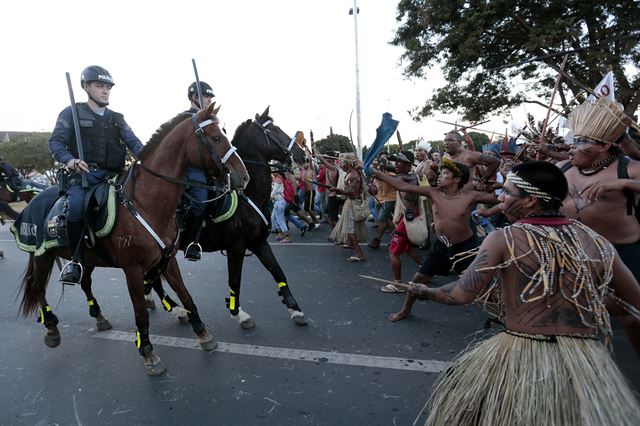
(280, 285)
(45, 308)
(91, 302)
(138, 339)
(166, 304)
(232, 302)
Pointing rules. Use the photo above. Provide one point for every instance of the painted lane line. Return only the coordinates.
(421, 365)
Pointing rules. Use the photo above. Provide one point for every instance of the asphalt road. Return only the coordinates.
(349, 365)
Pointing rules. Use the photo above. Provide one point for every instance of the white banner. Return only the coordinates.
(605, 88)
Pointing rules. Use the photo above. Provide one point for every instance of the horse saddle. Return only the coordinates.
(42, 224)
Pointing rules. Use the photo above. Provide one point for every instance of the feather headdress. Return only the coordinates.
(603, 120)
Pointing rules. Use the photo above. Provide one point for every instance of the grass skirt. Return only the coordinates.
(347, 225)
(513, 380)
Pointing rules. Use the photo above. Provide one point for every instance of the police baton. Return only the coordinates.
(200, 98)
(76, 128)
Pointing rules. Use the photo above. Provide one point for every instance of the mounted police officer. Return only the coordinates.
(105, 138)
(195, 214)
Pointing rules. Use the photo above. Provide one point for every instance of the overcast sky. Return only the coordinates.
(295, 55)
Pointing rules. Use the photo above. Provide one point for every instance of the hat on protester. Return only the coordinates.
(424, 145)
(404, 156)
(603, 121)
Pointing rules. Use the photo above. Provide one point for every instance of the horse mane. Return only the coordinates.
(160, 134)
(240, 131)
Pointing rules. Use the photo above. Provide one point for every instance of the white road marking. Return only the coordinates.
(421, 365)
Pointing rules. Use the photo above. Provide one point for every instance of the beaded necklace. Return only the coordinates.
(592, 169)
(565, 268)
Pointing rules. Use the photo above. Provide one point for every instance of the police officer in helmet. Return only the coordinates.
(195, 214)
(105, 138)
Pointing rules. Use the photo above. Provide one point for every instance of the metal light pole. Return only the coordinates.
(354, 11)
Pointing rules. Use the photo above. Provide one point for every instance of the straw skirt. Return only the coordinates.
(513, 380)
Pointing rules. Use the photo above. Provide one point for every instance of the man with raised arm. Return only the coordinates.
(455, 242)
(455, 152)
(547, 278)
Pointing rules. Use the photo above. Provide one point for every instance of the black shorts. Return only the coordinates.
(309, 200)
(333, 208)
(439, 258)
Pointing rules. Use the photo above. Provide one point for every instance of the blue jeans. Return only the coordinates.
(373, 208)
(277, 216)
(296, 221)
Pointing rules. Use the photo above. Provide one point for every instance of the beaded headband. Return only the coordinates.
(528, 188)
(447, 163)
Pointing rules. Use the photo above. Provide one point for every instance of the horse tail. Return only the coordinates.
(29, 288)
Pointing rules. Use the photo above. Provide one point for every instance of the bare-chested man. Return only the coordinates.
(471, 159)
(452, 206)
(597, 196)
(333, 203)
(353, 186)
(308, 179)
(424, 169)
(554, 317)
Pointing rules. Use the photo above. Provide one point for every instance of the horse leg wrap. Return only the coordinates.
(149, 279)
(47, 317)
(168, 304)
(287, 297)
(94, 308)
(143, 344)
(196, 323)
(233, 304)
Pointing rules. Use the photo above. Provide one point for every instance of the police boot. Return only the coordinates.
(192, 235)
(71, 274)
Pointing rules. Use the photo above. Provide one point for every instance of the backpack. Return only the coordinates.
(289, 192)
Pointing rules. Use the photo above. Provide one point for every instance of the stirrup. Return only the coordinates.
(196, 256)
(68, 264)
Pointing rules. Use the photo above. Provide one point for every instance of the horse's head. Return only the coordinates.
(273, 143)
(215, 153)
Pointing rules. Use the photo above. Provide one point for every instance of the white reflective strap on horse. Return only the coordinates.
(264, 219)
(150, 230)
(293, 140)
(229, 153)
(205, 123)
(266, 123)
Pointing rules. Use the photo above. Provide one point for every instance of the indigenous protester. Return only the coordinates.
(604, 185)
(547, 278)
(387, 196)
(308, 177)
(105, 136)
(351, 229)
(333, 204)
(425, 167)
(406, 210)
(196, 211)
(436, 157)
(452, 206)
(471, 159)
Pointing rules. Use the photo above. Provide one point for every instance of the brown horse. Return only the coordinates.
(145, 233)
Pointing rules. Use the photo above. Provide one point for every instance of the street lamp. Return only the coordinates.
(354, 11)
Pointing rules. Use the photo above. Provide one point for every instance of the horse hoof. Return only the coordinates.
(154, 366)
(151, 304)
(247, 324)
(102, 323)
(207, 342)
(298, 317)
(52, 338)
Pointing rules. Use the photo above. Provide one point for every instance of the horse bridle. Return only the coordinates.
(271, 138)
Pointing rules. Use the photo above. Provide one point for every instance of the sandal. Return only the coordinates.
(356, 259)
(390, 288)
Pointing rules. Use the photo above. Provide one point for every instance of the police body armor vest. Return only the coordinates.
(101, 143)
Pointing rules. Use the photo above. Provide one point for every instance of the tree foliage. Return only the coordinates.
(334, 142)
(28, 152)
(477, 43)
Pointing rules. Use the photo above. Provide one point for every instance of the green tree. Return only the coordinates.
(480, 46)
(29, 152)
(479, 139)
(334, 142)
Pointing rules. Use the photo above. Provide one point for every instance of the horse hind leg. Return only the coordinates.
(34, 285)
(174, 278)
(235, 260)
(102, 323)
(269, 261)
